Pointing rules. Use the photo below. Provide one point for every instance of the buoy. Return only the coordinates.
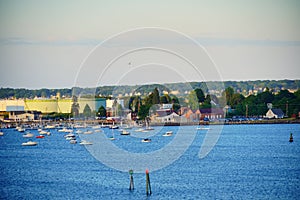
(291, 138)
(131, 186)
(148, 186)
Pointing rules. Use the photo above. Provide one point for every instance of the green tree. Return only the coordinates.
(165, 99)
(102, 111)
(155, 98)
(193, 100)
(228, 94)
(206, 103)
(200, 95)
(87, 111)
(144, 111)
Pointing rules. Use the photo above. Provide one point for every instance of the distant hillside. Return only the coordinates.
(243, 87)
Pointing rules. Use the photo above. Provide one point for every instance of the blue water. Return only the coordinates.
(248, 162)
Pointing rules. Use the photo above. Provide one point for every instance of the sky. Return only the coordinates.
(50, 44)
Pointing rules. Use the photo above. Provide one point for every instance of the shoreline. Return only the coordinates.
(99, 122)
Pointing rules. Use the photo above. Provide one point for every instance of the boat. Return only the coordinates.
(146, 140)
(124, 132)
(43, 132)
(29, 143)
(73, 141)
(49, 126)
(20, 129)
(97, 131)
(1, 133)
(84, 142)
(168, 133)
(65, 130)
(113, 127)
(39, 136)
(28, 135)
(139, 130)
(79, 131)
(88, 132)
(202, 128)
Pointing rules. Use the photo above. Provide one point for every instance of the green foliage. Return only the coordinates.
(101, 111)
(200, 95)
(87, 111)
(193, 100)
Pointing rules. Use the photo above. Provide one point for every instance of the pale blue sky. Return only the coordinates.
(43, 43)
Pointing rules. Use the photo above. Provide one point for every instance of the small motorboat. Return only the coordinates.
(28, 135)
(113, 127)
(73, 141)
(84, 142)
(124, 132)
(203, 128)
(29, 143)
(146, 140)
(39, 136)
(88, 132)
(168, 133)
(43, 132)
(1, 133)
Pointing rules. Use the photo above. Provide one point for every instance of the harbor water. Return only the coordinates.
(247, 162)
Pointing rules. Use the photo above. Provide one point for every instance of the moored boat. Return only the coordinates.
(29, 143)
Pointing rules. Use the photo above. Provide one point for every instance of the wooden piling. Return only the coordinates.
(131, 186)
(148, 185)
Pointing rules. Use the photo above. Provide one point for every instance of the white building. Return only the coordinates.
(274, 113)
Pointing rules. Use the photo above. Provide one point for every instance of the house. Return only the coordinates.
(275, 113)
(24, 115)
(211, 113)
(167, 117)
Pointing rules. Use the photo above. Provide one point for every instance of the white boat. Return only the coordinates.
(79, 131)
(113, 127)
(65, 130)
(20, 129)
(203, 128)
(149, 128)
(43, 132)
(29, 143)
(73, 141)
(28, 135)
(49, 126)
(88, 132)
(124, 132)
(69, 135)
(146, 140)
(139, 130)
(168, 133)
(97, 131)
(1, 133)
(84, 142)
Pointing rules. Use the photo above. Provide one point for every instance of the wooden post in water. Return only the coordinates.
(131, 186)
(148, 186)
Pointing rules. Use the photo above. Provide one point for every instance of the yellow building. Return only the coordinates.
(49, 105)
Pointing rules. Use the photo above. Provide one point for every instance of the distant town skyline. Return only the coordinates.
(43, 44)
